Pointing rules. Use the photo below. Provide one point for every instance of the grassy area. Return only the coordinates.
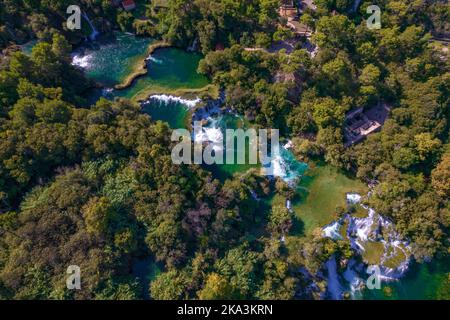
(187, 93)
(321, 190)
(343, 229)
(397, 258)
(373, 252)
(359, 212)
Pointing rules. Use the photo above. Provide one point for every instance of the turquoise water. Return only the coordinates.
(283, 165)
(146, 270)
(28, 47)
(111, 59)
(168, 68)
(176, 114)
(427, 281)
(226, 171)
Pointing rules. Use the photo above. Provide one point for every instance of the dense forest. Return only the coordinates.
(95, 186)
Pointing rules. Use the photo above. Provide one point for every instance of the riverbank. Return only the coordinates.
(140, 69)
(137, 68)
(170, 71)
(210, 91)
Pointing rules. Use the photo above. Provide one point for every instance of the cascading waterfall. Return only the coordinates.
(168, 98)
(353, 198)
(332, 231)
(360, 231)
(284, 165)
(211, 134)
(354, 274)
(355, 6)
(82, 61)
(193, 46)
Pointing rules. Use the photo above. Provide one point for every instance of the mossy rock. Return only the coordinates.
(373, 252)
(395, 259)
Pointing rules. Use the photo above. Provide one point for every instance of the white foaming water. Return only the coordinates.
(214, 135)
(107, 92)
(284, 165)
(277, 167)
(168, 98)
(332, 231)
(288, 145)
(363, 227)
(153, 59)
(351, 276)
(210, 135)
(353, 198)
(289, 205)
(360, 231)
(82, 61)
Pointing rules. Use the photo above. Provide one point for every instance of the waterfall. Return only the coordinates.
(289, 206)
(353, 198)
(94, 32)
(283, 164)
(193, 45)
(355, 6)
(81, 60)
(334, 287)
(153, 59)
(359, 232)
(332, 231)
(164, 98)
(288, 145)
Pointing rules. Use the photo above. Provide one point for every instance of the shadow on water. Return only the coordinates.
(176, 114)
(298, 226)
(146, 270)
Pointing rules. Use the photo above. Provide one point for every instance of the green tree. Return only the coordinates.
(99, 215)
(216, 288)
(170, 285)
(440, 177)
(280, 220)
(327, 112)
(334, 32)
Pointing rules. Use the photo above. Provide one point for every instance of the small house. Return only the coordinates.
(359, 123)
(288, 10)
(128, 5)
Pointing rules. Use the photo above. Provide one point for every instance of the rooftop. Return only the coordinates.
(359, 123)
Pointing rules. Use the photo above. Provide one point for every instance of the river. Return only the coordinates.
(321, 188)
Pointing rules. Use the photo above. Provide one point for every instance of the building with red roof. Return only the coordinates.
(128, 4)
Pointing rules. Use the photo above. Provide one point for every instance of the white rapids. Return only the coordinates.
(373, 228)
(168, 98)
(82, 61)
